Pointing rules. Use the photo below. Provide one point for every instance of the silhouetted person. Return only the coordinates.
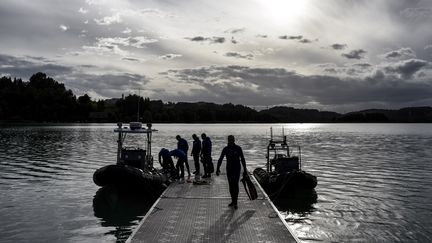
(181, 159)
(206, 155)
(183, 146)
(196, 150)
(167, 162)
(234, 155)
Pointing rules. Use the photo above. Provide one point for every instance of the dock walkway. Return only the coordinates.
(200, 213)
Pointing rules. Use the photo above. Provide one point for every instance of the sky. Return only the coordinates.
(336, 55)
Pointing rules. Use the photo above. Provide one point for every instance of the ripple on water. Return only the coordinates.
(374, 180)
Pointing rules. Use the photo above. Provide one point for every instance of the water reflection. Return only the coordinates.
(121, 209)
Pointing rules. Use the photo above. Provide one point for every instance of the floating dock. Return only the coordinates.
(200, 213)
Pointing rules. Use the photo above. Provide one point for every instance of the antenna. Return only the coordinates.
(139, 97)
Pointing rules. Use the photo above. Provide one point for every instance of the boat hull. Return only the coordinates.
(130, 177)
(285, 184)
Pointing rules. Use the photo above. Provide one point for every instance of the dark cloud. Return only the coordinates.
(130, 59)
(406, 69)
(261, 36)
(211, 40)
(331, 70)
(337, 46)
(105, 85)
(234, 41)
(272, 86)
(22, 67)
(239, 55)
(235, 30)
(295, 37)
(197, 38)
(417, 13)
(170, 56)
(363, 65)
(305, 41)
(401, 53)
(217, 40)
(355, 54)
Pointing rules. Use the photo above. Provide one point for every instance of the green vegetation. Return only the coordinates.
(43, 99)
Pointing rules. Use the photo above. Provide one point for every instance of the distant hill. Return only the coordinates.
(409, 114)
(290, 114)
(43, 99)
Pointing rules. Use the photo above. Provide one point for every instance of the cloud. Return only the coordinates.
(261, 36)
(362, 65)
(273, 86)
(24, 67)
(106, 85)
(239, 55)
(170, 56)
(286, 37)
(417, 13)
(63, 27)
(407, 68)
(235, 30)
(131, 59)
(127, 31)
(82, 10)
(355, 54)
(95, 2)
(401, 53)
(339, 46)
(234, 41)
(305, 41)
(114, 42)
(428, 48)
(109, 20)
(211, 40)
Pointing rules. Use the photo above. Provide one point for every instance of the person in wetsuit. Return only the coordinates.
(167, 162)
(196, 150)
(206, 155)
(181, 159)
(183, 146)
(234, 156)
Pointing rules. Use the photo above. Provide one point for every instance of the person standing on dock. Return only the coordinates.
(181, 159)
(234, 155)
(182, 145)
(196, 150)
(206, 156)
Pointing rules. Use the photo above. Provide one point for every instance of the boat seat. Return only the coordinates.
(287, 164)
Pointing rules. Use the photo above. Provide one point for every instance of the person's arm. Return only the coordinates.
(243, 161)
(220, 161)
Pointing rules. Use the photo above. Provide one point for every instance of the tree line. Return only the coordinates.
(43, 99)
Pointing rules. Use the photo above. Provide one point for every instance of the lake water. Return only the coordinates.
(374, 180)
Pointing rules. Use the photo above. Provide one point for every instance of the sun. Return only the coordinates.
(283, 10)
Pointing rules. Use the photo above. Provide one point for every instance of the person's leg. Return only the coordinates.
(233, 182)
(197, 163)
(181, 165)
(187, 167)
(177, 170)
(204, 162)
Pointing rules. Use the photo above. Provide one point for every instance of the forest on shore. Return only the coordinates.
(43, 99)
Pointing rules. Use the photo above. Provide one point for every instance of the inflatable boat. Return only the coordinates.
(283, 176)
(134, 167)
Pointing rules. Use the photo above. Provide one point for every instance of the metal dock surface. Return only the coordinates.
(200, 213)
